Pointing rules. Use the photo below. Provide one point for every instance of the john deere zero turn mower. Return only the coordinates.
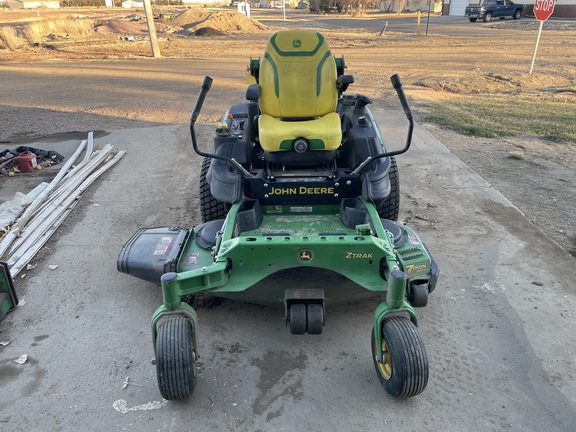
(298, 180)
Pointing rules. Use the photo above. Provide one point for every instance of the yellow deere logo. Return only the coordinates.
(305, 255)
(296, 43)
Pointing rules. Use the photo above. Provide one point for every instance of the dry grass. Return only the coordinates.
(496, 116)
(72, 27)
(10, 39)
(36, 33)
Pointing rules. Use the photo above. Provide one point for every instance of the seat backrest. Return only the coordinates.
(297, 76)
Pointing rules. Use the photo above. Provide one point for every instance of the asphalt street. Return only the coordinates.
(499, 329)
(434, 24)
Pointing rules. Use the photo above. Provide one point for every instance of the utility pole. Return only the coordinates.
(151, 29)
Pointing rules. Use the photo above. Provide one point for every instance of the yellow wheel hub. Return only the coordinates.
(385, 366)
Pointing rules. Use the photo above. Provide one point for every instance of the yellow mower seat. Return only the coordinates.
(298, 93)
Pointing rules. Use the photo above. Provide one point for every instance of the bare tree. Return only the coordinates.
(315, 4)
(388, 4)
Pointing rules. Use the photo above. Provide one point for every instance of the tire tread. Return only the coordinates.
(390, 208)
(409, 359)
(210, 208)
(174, 359)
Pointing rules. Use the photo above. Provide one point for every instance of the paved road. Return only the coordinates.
(445, 25)
(499, 329)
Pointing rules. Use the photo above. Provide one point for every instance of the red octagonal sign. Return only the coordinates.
(543, 9)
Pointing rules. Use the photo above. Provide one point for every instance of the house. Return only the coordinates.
(563, 8)
(411, 5)
(129, 4)
(28, 4)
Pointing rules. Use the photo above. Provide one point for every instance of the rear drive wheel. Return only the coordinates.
(390, 208)
(517, 14)
(210, 208)
(403, 371)
(473, 19)
(488, 17)
(175, 359)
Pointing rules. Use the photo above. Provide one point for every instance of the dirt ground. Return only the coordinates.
(44, 87)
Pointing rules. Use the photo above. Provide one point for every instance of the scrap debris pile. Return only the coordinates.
(28, 221)
(26, 159)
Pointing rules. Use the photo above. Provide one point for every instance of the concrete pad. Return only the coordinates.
(498, 329)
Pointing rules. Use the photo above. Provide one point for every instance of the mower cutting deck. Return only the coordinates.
(299, 180)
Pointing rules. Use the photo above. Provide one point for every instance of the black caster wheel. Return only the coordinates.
(418, 296)
(297, 318)
(315, 318)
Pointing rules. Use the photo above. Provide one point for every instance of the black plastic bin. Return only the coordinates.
(151, 252)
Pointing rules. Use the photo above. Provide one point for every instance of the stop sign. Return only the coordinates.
(543, 9)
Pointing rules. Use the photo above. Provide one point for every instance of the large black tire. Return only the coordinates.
(404, 370)
(390, 208)
(488, 17)
(210, 208)
(517, 14)
(473, 19)
(175, 359)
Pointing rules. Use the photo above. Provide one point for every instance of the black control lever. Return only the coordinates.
(397, 84)
(204, 89)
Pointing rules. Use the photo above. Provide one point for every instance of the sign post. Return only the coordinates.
(542, 10)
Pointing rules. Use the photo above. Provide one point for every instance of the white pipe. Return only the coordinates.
(36, 244)
(52, 205)
(22, 220)
(73, 171)
(71, 183)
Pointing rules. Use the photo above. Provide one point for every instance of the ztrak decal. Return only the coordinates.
(302, 190)
(355, 255)
(305, 255)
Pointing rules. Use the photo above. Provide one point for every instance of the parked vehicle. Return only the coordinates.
(494, 9)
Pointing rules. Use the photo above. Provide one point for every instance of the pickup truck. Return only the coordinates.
(494, 9)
